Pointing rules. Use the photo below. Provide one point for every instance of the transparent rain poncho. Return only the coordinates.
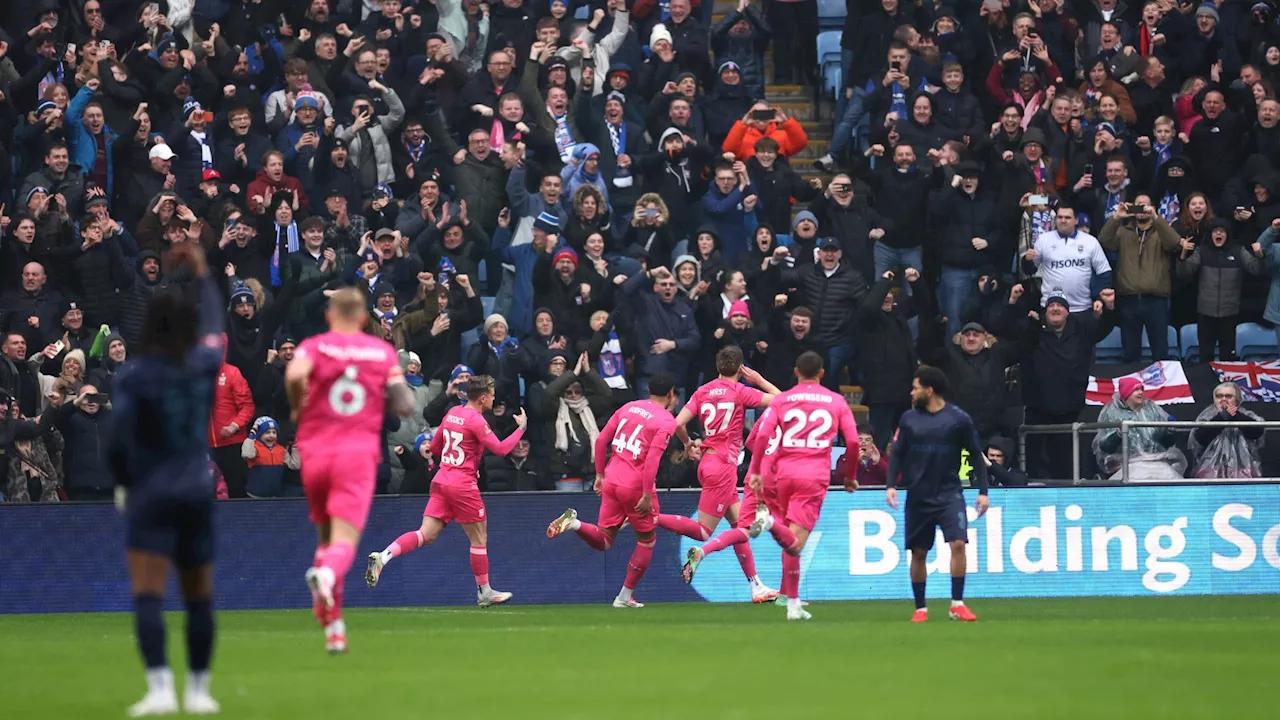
(1151, 456)
(1230, 454)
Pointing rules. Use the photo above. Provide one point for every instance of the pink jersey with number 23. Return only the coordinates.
(346, 392)
(460, 442)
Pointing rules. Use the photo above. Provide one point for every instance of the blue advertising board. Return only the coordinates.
(1038, 542)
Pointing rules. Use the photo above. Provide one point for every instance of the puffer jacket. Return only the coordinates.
(830, 298)
(791, 137)
(85, 455)
(1221, 271)
(100, 276)
(964, 217)
(381, 133)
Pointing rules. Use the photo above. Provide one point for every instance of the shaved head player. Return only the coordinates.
(339, 384)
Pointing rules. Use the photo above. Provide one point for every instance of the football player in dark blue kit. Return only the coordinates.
(160, 459)
(926, 454)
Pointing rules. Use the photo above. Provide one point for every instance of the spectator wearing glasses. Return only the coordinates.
(665, 329)
(575, 404)
(1226, 452)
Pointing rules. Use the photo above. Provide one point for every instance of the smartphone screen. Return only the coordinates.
(762, 115)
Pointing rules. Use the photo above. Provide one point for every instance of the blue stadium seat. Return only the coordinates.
(1190, 344)
(829, 47)
(1254, 342)
(831, 13)
(1109, 348)
(483, 272)
(582, 13)
(836, 453)
(832, 79)
(468, 339)
(486, 301)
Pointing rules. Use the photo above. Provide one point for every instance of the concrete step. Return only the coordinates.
(815, 149)
(799, 110)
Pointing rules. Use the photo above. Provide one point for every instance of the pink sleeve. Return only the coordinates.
(750, 397)
(765, 429)
(849, 429)
(602, 444)
(657, 448)
(490, 441)
(437, 443)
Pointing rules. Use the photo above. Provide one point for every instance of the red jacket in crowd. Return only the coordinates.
(232, 403)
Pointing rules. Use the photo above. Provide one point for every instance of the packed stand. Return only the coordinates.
(572, 198)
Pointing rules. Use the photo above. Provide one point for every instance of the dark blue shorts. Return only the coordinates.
(945, 513)
(179, 528)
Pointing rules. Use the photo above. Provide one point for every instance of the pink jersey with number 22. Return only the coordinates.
(808, 416)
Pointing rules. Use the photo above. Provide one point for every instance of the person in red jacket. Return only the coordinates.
(741, 140)
(271, 180)
(229, 420)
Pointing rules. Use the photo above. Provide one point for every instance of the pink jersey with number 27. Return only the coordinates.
(460, 442)
(808, 417)
(721, 404)
(346, 392)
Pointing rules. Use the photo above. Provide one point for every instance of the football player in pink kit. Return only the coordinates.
(809, 417)
(338, 384)
(638, 433)
(722, 405)
(459, 442)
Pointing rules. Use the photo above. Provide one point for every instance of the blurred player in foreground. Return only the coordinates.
(638, 433)
(158, 452)
(808, 417)
(926, 452)
(459, 442)
(722, 405)
(339, 384)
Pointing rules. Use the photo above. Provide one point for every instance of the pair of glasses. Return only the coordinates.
(572, 393)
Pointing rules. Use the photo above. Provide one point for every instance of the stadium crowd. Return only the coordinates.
(571, 202)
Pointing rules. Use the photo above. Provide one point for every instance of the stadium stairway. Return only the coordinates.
(798, 102)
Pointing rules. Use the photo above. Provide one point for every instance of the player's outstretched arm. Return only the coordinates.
(682, 421)
(490, 441)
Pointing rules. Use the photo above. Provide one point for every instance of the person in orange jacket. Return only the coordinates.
(229, 419)
(788, 133)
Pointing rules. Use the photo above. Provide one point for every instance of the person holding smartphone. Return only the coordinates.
(1144, 245)
(765, 121)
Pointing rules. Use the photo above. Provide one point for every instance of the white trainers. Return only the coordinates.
(321, 581)
(374, 570)
(155, 702)
(764, 594)
(496, 597)
(631, 603)
(199, 703)
(798, 614)
(825, 163)
(763, 522)
(335, 637)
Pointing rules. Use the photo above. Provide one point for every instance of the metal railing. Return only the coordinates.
(1077, 427)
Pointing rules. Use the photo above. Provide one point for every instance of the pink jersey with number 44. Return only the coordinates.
(460, 442)
(637, 435)
(722, 405)
(346, 392)
(806, 419)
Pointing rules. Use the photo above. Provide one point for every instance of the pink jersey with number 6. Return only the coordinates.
(809, 416)
(721, 404)
(346, 392)
(460, 442)
(638, 435)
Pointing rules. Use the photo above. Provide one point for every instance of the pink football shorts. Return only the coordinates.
(455, 502)
(339, 485)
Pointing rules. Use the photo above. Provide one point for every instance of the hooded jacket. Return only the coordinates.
(1222, 275)
(888, 358)
(746, 50)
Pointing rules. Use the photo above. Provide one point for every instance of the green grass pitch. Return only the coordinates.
(1196, 657)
